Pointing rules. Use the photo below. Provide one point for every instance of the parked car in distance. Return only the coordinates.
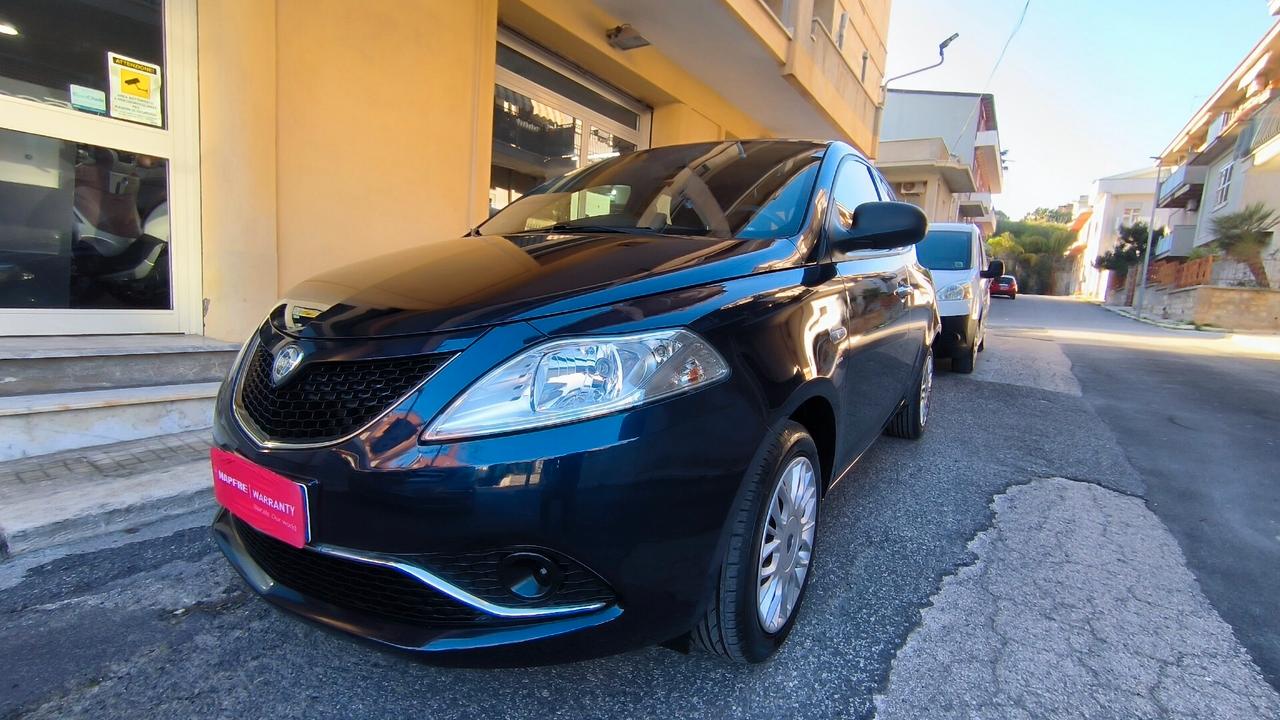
(1006, 285)
(604, 419)
(957, 259)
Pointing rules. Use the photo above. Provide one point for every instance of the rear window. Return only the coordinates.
(946, 250)
(1006, 279)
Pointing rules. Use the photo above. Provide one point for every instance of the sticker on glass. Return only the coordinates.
(135, 90)
(87, 99)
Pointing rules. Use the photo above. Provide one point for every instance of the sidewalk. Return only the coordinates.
(1260, 343)
(51, 499)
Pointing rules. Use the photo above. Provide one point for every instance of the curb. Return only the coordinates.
(129, 517)
(1159, 323)
(115, 519)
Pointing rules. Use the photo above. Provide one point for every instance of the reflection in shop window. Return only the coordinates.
(603, 145)
(532, 142)
(81, 226)
(59, 53)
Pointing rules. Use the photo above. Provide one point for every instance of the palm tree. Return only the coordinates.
(1244, 235)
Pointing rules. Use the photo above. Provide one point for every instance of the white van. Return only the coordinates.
(957, 259)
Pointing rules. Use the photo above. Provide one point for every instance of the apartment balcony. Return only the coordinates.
(923, 159)
(986, 148)
(1184, 187)
(975, 205)
(1177, 243)
(773, 59)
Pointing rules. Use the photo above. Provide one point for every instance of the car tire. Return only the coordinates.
(909, 422)
(963, 358)
(1013, 297)
(733, 626)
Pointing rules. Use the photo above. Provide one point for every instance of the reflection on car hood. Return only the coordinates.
(475, 281)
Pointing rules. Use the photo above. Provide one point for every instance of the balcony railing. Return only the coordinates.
(1184, 185)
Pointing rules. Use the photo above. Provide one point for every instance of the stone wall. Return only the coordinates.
(1233, 308)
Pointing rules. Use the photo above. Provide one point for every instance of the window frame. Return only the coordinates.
(1222, 193)
(589, 118)
(179, 145)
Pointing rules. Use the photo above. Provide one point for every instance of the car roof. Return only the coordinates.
(953, 226)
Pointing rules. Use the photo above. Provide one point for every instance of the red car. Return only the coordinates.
(1005, 285)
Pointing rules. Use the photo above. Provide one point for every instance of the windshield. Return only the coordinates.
(756, 189)
(946, 250)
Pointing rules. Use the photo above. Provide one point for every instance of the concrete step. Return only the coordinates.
(70, 495)
(51, 422)
(49, 365)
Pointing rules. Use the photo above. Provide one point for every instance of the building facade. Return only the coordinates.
(1224, 159)
(941, 151)
(1114, 202)
(172, 166)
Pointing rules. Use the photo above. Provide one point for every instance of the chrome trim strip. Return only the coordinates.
(255, 434)
(453, 591)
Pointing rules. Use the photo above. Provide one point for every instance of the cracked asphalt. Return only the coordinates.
(1008, 565)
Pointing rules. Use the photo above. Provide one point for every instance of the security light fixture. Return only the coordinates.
(625, 37)
(7, 28)
(942, 57)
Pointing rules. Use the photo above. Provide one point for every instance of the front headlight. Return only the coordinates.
(566, 380)
(958, 291)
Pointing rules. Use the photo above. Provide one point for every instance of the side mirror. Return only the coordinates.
(879, 225)
(994, 270)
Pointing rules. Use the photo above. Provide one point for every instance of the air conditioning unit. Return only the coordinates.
(910, 188)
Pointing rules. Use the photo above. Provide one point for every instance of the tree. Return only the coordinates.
(1130, 248)
(1058, 216)
(1034, 252)
(1243, 235)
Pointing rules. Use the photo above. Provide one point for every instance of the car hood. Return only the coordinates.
(475, 281)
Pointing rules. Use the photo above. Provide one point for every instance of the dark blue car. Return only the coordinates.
(604, 419)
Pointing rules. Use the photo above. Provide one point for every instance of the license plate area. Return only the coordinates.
(269, 502)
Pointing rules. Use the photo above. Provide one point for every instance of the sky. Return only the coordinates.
(1087, 89)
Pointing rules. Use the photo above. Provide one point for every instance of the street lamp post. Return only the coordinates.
(942, 57)
(1151, 242)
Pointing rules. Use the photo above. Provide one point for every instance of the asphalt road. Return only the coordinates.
(1203, 430)
(1020, 505)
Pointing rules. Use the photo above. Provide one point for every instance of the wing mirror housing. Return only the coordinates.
(879, 226)
(994, 270)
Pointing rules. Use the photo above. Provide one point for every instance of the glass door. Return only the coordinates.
(99, 195)
(549, 120)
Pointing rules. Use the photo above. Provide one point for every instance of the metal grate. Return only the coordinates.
(357, 586)
(327, 400)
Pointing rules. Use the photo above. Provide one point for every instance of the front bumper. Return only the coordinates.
(958, 331)
(638, 500)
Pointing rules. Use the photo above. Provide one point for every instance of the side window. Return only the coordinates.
(886, 192)
(854, 185)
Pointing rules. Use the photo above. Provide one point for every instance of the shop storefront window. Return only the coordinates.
(81, 226)
(103, 58)
(547, 123)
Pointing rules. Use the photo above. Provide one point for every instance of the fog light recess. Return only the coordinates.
(529, 575)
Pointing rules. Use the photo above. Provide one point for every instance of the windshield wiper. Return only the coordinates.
(569, 227)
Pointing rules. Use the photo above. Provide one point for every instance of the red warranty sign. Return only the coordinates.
(269, 502)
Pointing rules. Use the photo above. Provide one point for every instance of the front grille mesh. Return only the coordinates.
(372, 589)
(327, 400)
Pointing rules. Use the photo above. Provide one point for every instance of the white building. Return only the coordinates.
(1114, 202)
(941, 151)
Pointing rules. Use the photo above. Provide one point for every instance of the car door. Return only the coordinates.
(878, 291)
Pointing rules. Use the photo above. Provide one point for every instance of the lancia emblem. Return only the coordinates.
(287, 360)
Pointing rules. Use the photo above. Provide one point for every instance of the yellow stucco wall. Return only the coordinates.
(237, 163)
(384, 126)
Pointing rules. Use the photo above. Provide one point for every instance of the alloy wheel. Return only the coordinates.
(926, 387)
(786, 545)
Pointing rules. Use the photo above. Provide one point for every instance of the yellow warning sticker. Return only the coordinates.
(135, 90)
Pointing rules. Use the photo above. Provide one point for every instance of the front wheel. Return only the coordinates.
(770, 553)
(910, 419)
